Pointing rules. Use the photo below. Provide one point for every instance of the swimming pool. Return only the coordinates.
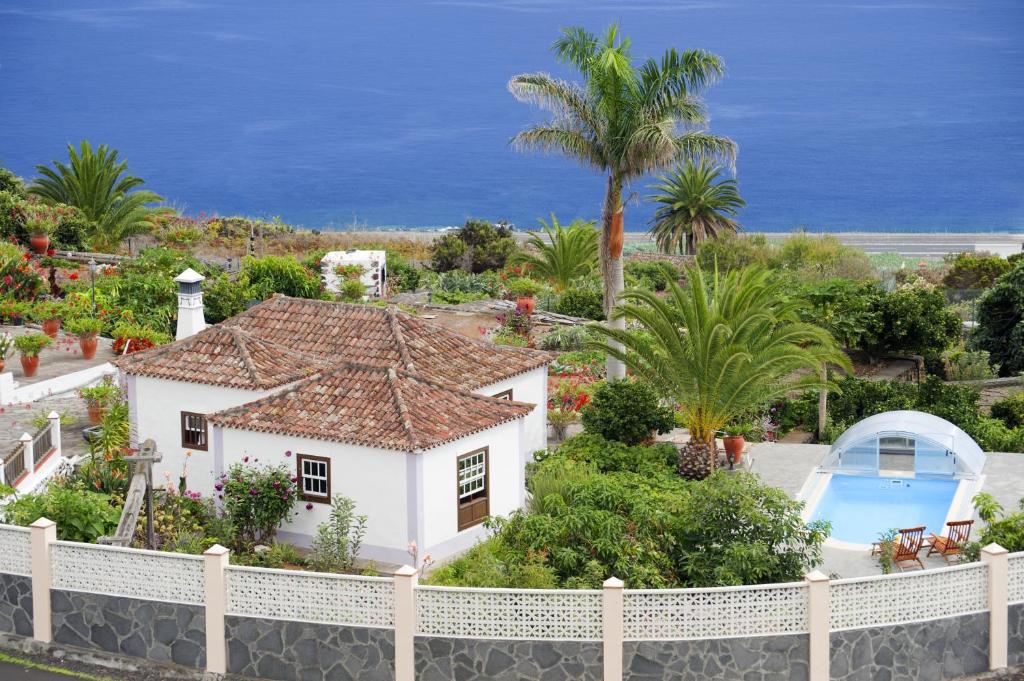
(862, 507)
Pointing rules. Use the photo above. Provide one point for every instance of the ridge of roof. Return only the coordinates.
(396, 330)
(403, 409)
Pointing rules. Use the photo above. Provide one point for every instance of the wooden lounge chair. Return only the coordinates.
(905, 552)
(949, 545)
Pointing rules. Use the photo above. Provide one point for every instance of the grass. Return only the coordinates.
(30, 664)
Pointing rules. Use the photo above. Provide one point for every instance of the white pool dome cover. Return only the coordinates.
(918, 424)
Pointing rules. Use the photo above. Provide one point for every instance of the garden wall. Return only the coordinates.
(1015, 648)
(15, 604)
(766, 657)
(486, 660)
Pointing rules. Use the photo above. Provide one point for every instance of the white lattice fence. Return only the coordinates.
(116, 571)
(311, 597)
(15, 548)
(679, 614)
(514, 614)
(1015, 591)
(911, 597)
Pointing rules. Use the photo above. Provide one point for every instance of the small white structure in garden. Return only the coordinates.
(191, 319)
(428, 431)
(373, 274)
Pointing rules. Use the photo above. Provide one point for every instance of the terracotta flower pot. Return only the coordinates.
(96, 410)
(1, 365)
(733, 447)
(30, 365)
(525, 304)
(88, 345)
(40, 243)
(51, 327)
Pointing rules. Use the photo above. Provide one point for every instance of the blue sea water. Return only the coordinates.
(900, 115)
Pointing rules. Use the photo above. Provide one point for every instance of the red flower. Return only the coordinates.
(27, 256)
(73, 276)
(51, 252)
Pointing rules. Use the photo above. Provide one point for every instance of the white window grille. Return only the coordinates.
(311, 597)
(473, 476)
(315, 475)
(1015, 590)
(15, 550)
(680, 614)
(911, 597)
(512, 614)
(116, 571)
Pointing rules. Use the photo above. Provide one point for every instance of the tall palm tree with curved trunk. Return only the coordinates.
(99, 185)
(694, 206)
(625, 121)
(567, 253)
(720, 348)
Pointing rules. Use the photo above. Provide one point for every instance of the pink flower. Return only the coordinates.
(288, 453)
(309, 507)
(245, 459)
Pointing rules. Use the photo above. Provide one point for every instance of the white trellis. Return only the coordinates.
(310, 597)
(911, 597)
(1015, 585)
(116, 571)
(679, 614)
(15, 547)
(519, 614)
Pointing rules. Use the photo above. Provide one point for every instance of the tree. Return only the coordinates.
(720, 348)
(476, 247)
(568, 253)
(913, 319)
(1001, 321)
(99, 185)
(624, 121)
(695, 206)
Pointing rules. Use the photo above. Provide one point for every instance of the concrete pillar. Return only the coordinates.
(818, 625)
(54, 419)
(997, 560)
(43, 534)
(613, 627)
(405, 623)
(215, 563)
(30, 455)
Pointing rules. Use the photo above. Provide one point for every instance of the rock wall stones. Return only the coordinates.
(445, 659)
(754, 658)
(1015, 651)
(299, 651)
(152, 630)
(926, 651)
(15, 604)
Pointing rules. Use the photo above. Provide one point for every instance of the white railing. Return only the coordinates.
(910, 597)
(1015, 585)
(116, 571)
(679, 614)
(516, 614)
(15, 550)
(310, 597)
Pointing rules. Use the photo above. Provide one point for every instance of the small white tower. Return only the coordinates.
(190, 304)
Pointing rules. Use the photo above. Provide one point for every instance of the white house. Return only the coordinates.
(428, 431)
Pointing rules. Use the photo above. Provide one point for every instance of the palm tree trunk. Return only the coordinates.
(822, 404)
(611, 265)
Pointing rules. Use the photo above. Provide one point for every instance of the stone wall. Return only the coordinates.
(445, 659)
(1015, 652)
(15, 604)
(925, 651)
(152, 630)
(764, 658)
(298, 651)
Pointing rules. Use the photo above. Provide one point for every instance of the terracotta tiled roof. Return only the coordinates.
(372, 406)
(376, 336)
(223, 356)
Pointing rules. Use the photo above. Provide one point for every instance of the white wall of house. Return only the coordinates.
(155, 407)
(530, 387)
(375, 479)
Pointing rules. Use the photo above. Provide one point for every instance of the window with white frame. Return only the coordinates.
(314, 478)
(472, 486)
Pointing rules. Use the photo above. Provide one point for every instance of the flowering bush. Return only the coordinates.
(349, 271)
(568, 396)
(257, 499)
(21, 279)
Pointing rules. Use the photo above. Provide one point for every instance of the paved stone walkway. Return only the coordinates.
(62, 356)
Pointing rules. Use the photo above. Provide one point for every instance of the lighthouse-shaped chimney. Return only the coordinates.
(190, 304)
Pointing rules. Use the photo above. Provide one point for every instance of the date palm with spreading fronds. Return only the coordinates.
(625, 121)
(567, 253)
(694, 206)
(719, 348)
(98, 185)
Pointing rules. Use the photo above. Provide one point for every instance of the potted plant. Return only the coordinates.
(86, 328)
(48, 313)
(524, 291)
(40, 228)
(98, 399)
(6, 343)
(132, 337)
(14, 312)
(30, 345)
(734, 441)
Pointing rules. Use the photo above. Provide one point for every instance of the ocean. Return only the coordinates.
(873, 115)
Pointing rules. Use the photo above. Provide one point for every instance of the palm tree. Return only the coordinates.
(624, 121)
(99, 185)
(720, 348)
(568, 253)
(694, 207)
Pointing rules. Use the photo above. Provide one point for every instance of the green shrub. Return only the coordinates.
(611, 456)
(627, 411)
(844, 308)
(652, 275)
(81, 515)
(814, 257)
(584, 303)
(337, 542)
(9, 182)
(961, 364)
(1000, 320)
(912, 319)
(1010, 410)
(457, 281)
(491, 564)
(974, 270)
(257, 499)
(566, 338)
(1002, 529)
(223, 298)
(477, 246)
(733, 252)
(352, 291)
(402, 275)
(278, 274)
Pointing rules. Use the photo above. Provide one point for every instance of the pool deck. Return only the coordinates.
(787, 467)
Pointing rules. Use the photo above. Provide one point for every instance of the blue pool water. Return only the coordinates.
(862, 507)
